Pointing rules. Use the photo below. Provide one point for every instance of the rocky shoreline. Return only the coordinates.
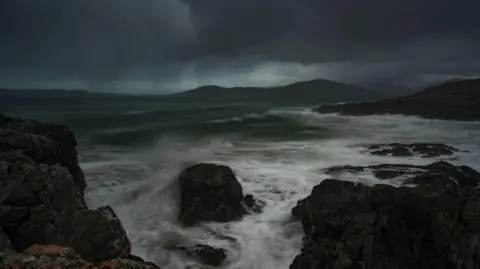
(44, 220)
(430, 221)
(459, 100)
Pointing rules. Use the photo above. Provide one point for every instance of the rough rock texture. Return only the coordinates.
(207, 255)
(209, 192)
(433, 225)
(55, 257)
(41, 201)
(41, 204)
(416, 174)
(458, 100)
(44, 143)
(425, 150)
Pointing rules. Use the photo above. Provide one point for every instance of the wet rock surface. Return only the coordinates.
(253, 204)
(425, 150)
(415, 174)
(207, 255)
(458, 100)
(433, 225)
(209, 192)
(41, 202)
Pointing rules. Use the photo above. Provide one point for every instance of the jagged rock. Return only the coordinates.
(434, 225)
(425, 150)
(45, 143)
(42, 203)
(57, 257)
(94, 234)
(209, 192)
(207, 255)
(415, 174)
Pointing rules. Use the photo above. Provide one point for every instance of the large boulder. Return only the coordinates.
(207, 255)
(433, 225)
(209, 192)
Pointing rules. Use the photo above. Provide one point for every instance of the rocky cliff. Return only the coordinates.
(42, 204)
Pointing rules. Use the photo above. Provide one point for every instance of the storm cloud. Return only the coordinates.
(167, 45)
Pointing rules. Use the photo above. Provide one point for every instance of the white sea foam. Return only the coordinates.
(141, 188)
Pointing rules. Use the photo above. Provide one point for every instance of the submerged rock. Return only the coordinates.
(207, 255)
(415, 174)
(209, 192)
(253, 203)
(425, 150)
(433, 225)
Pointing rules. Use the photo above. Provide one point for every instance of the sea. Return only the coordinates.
(132, 149)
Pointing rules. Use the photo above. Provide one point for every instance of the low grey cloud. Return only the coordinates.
(168, 45)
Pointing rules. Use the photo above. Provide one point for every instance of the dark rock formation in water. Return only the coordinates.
(207, 255)
(459, 100)
(209, 192)
(41, 199)
(416, 174)
(433, 225)
(253, 204)
(425, 150)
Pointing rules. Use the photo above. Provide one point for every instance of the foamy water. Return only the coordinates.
(140, 184)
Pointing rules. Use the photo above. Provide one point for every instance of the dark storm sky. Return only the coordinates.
(168, 45)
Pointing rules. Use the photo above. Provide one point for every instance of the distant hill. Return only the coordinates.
(455, 100)
(46, 93)
(314, 91)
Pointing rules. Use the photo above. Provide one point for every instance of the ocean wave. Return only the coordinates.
(140, 183)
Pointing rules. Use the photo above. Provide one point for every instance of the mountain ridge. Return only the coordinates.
(313, 90)
(454, 100)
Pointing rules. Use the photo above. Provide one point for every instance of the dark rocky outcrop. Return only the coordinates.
(209, 192)
(459, 100)
(425, 150)
(44, 143)
(433, 225)
(55, 257)
(41, 201)
(207, 255)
